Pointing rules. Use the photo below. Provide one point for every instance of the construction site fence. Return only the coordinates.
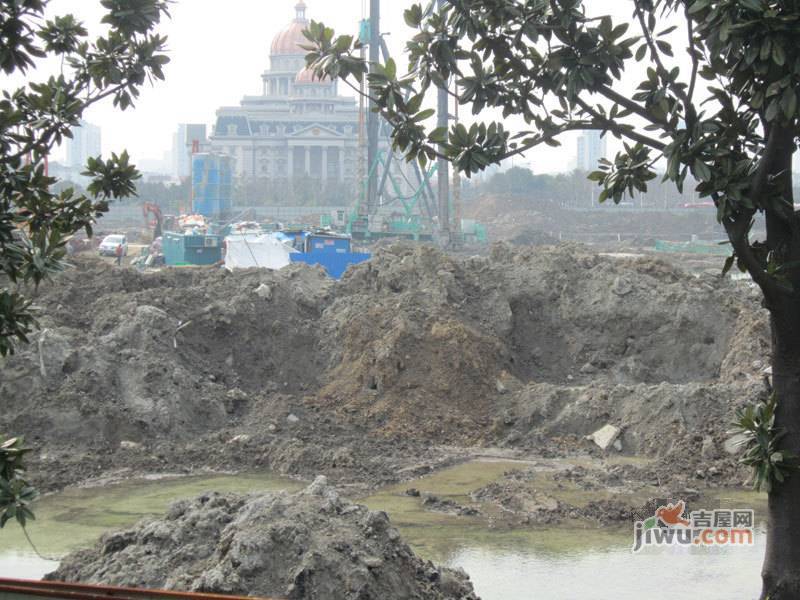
(694, 247)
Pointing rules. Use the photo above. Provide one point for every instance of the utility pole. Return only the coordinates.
(444, 166)
(372, 119)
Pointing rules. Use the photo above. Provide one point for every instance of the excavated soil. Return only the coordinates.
(410, 362)
(309, 545)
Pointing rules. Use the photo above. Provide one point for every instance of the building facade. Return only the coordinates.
(299, 127)
(86, 141)
(591, 148)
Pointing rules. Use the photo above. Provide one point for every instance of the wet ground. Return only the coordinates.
(563, 562)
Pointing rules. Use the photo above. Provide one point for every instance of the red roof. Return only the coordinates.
(291, 38)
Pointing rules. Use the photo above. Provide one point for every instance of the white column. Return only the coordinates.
(341, 164)
(324, 163)
(308, 160)
(290, 164)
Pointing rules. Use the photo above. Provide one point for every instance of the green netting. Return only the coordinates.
(693, 248)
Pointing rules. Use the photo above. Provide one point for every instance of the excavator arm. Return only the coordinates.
(153, 218)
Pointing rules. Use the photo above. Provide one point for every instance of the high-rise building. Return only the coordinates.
(182, 141)
(86, 141)
(591, 148)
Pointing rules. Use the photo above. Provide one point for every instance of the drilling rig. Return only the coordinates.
(397, 199)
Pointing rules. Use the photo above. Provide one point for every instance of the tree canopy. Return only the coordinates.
(722, 109)
(721, 121)
(36, 220)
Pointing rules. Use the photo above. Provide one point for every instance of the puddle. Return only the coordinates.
(558, 563)
(565, 563)
(76, 517)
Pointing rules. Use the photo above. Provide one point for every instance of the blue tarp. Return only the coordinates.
(334, 263)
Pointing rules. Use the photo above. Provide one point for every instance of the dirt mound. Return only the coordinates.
(413, 347)
(128, 356)
(409, 354)
(313, 544)
(654, 419)
(581, 316)
(424, 344)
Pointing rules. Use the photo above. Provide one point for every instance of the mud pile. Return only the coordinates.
(313, 544)
(127, 356)
(430, 345)
(527, 348)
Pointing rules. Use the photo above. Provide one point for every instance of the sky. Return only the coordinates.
(219, 49)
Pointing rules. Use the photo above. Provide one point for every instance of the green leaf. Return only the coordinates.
(789, 102)
(701, 170)
(778, 54)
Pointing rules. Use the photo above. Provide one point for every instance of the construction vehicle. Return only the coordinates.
(153, 219)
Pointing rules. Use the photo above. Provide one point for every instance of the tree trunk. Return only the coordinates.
(781, 571)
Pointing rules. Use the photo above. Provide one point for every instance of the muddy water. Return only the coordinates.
(567, 563)
(76, 517)
(559, 563)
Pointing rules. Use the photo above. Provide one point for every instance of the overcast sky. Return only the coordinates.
(219, 50)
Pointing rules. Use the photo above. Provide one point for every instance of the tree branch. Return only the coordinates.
(693, 52)
(660, 68)
(615, 128)
(629, 105)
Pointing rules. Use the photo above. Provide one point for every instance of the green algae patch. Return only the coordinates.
(76, 517)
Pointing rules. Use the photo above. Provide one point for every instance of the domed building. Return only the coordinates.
(299, 127)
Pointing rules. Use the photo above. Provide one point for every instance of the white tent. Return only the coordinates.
(260, 251)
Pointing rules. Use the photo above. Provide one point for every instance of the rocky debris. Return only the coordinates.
(313, 544)
(446, 505)
(522, 502)
(605, 437)
(264, 291)
(620, 494)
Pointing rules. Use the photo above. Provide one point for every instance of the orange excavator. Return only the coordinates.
(153, 218)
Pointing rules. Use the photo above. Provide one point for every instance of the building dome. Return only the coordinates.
(307, 77)
(288, 41)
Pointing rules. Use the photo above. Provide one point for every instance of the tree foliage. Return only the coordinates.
(727, 120)
(760, 440)
(36, 222)
(16, 494)
(722, 109)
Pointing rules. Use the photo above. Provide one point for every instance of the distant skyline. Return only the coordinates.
(87, 140)
(219, 51)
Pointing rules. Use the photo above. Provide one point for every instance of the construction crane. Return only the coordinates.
(153, 219)
(431, 210)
